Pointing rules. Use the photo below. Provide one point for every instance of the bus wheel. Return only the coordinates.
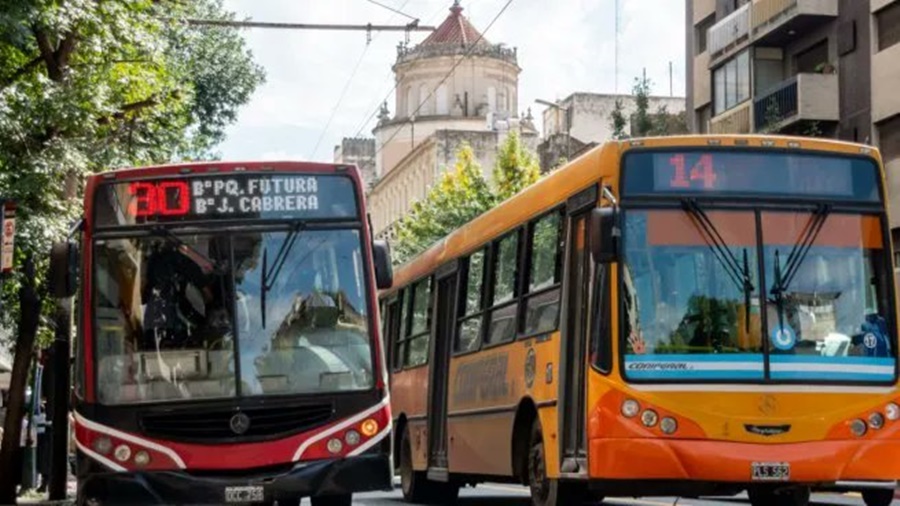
(795, 496)
(331, 500)
(878, 497)
(413, 483)
(545, 491)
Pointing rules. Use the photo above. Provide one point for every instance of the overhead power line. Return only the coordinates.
(412, 26)
(396, 11)
(468, 53)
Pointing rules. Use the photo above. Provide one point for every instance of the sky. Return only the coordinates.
(322, 86)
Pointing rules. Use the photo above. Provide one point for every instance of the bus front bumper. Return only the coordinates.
(819, 462)
(324, 477)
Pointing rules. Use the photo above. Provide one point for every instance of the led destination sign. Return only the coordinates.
(763, 173)
(233, 196)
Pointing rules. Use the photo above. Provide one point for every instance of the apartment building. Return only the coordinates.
(806, 67)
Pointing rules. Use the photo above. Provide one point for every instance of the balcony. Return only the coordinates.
(733, 121)
(804, 97)
(774, 21)
(728, 34)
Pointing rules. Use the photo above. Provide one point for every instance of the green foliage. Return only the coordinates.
(462, 194)
(619, 121)
(772, 115)
(515, 169)
(643, 121)
(89, 85)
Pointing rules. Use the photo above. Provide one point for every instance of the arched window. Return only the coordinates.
(443, 106)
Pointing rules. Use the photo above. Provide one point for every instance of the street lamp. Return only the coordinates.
(568, 117)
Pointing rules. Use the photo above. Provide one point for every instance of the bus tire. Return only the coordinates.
(878, 497)
(332, 500)
(795, 496)
(546, 491)
(414, 484)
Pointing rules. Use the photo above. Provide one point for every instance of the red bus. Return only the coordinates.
(228, 346)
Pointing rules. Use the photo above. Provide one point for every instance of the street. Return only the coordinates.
(511, 495)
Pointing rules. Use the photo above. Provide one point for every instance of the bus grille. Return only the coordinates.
(220, 425)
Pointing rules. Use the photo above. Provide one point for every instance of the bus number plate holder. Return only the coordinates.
(244, 494)
(771, 471)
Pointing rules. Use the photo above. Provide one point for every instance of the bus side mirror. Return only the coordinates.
(604, 234)
(384, 273)
(63, 269)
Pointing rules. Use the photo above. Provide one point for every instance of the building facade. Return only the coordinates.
(454, 87)
(583, 120)
(359, 152)
(805, 67)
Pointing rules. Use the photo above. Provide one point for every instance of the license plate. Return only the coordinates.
(771, 471)
(244, 494)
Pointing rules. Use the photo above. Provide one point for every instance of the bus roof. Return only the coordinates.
(202, 167)
(587, 169)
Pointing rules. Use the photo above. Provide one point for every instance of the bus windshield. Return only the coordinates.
(692, 302)
(189, 316)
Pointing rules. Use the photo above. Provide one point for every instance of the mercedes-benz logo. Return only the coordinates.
(239, 423)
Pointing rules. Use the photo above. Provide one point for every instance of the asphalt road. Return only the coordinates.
(511, 495)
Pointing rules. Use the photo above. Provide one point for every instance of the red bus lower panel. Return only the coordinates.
(284, 484)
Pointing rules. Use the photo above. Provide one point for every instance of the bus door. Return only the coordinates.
(444, 318)
(572, 388)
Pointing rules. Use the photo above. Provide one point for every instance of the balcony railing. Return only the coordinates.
(729, 32)
(802, 97)
(733, 121)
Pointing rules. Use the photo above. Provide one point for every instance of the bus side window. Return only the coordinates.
(468, 338)
(398, 332)
(503, 307)
(601, 339)
(544, 275)
(419, 333)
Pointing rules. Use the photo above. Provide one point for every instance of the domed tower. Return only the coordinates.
(453, 80)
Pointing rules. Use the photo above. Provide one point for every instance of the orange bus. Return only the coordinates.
(681, 316)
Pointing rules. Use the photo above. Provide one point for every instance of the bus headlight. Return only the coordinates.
(123, 453)
(876, 420)
(668, 425)
(630, 408)
(335, 445)
(352, 437)
(103, 445)
(141, 458)
(892, 411)
(858, 428)
(649, 418)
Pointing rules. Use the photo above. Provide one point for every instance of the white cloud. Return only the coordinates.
(563, 46)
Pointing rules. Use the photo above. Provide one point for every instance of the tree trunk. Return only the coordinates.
(30, 308)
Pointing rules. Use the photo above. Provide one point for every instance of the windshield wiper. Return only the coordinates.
(266, 277)
(739, 272)
(783, 277)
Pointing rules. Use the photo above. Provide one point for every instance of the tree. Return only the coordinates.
(515, 168)
(89, 85)
(642, 120)
(86, 86)
(460, 195)
(618, 120)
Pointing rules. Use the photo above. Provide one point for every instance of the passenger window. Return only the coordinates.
(502, 326)
(505, 268)
(545, 273)
(469, 334)
(417, 342)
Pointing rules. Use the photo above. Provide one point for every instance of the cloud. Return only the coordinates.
(563, 46)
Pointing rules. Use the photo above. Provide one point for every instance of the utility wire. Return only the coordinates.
(397, 11)
(391, 90)
(350, 80)
(450, 73)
